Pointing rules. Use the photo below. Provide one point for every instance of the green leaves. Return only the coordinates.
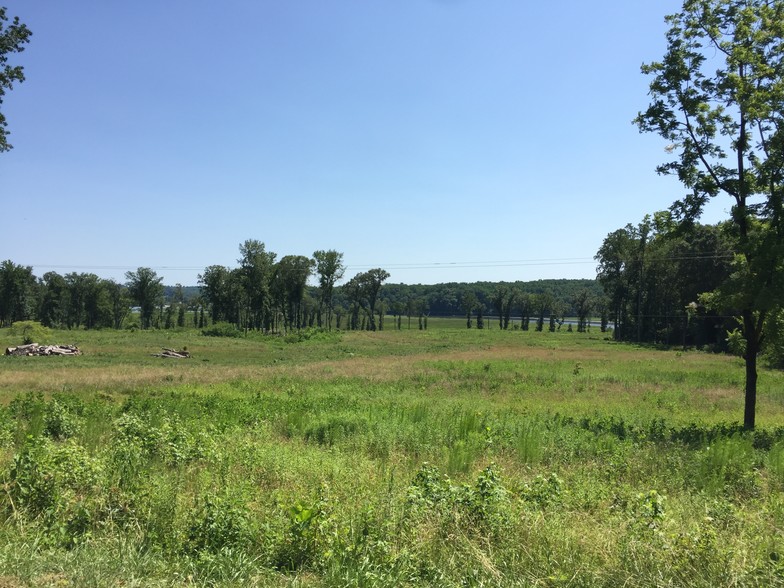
(13, 37)
(718, 98)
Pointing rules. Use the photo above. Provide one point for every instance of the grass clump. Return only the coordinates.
(221, 329)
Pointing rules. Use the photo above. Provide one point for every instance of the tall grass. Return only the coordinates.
(438, 458)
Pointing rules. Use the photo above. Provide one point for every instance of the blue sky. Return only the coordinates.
(443, 140)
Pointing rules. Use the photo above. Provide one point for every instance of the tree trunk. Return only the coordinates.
(752, 334)
(750, 405)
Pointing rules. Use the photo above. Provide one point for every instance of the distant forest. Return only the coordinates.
(444, 300)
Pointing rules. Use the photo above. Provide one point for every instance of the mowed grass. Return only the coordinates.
(444, 457)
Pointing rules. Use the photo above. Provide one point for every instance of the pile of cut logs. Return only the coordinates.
(36, 349)
(173, 354)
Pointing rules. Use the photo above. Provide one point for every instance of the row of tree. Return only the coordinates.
(76, 300)
(507, 302)
(449, 299)
(271, 295)
(260, 294)
(268, 295)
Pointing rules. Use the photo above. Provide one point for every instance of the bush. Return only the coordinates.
(30, 332)
(312, 334)
(58, 485)
(59, 421)
(219, 523)
(221, 329)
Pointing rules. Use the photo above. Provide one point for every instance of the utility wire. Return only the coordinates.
(416, 265)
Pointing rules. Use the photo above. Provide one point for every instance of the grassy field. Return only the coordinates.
(444, 457)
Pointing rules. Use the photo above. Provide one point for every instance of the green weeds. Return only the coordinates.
(491, 468)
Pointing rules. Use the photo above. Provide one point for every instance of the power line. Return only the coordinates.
(414, 265)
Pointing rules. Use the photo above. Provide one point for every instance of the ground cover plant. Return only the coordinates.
(444, 457)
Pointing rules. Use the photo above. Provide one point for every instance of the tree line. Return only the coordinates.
(655, 274)
(270, 295)
(264, 293)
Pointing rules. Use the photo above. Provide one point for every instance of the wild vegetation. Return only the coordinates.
(446, 457)
(297, 442)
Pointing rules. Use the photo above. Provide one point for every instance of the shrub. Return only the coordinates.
(59, 421)
(542, 490)
(218, 523)
(485, 503)
(221, 329)
(312, 334)
(56, 484)
(30, 332)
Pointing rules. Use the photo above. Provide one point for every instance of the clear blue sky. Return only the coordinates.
(443, 140)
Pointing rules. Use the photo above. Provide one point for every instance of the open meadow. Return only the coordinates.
(444, 457)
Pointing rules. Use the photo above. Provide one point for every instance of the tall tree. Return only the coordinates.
(525, 305)
(17, 293)
(119, 302)
(13, 37)
(617, 271)
(220, 288)
(54, 300)
(96, 302)
(330, 270)
(289, 284)
(364, 289)
(468, 303)
(503, 299)
(582, 306)
(542, 304)
(255, 272)
(651, 274)
(145, 289)
(717, 97)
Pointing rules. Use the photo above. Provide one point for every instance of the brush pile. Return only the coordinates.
(173, 354)
(34, 349)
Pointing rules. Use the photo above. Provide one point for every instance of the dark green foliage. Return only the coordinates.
(363, 291)
(653, 276)
(221, 329)
(716, 99)
(485, 504)
(169, 321)
(56, 485)
(542, 491)
(60, 422)
(468, 303)
(256, 272)
(145, 289)
(582, 306)
(330, 270)
(17, 288)
(447, 299)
